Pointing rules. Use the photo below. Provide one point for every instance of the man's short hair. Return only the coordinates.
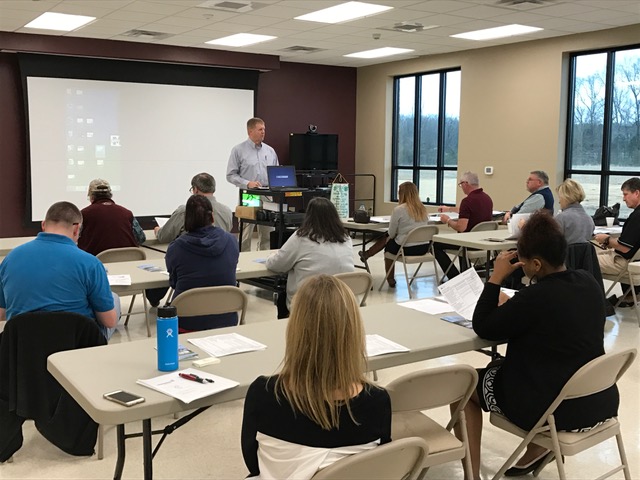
(63, 212)
(204, 183)
(471, 178)
(99, 188)
(631, 185)
(252, 122)
(544, 178)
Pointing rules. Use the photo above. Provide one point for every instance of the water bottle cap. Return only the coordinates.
(167, 311)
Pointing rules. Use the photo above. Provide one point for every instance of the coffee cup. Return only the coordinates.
(610, 221)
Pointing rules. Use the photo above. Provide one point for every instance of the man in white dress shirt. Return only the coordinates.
(247, 168)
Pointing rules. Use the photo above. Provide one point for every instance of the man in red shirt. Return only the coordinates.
(475, 208)
(105, 224)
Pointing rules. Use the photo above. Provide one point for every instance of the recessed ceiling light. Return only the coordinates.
(59, 21)
(344, 12)
(497, 32)
(379, 52)
(240, 40)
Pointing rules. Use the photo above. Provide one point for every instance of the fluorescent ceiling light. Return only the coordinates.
(497, 32)
(344, 12)
(59, 21)
(379, 52)
(240, 40)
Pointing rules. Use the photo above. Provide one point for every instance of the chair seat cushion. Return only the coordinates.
(416, 424)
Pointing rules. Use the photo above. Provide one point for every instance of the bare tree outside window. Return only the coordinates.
(425, 134)
(603, 141)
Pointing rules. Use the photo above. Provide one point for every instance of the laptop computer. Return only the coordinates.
(282, 178)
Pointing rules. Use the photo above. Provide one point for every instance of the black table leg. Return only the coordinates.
(117, 475)
(146, 449)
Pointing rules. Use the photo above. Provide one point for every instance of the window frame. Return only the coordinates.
(416, 168)
(604, 172)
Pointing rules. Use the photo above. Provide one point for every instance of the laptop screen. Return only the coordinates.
(282, 176)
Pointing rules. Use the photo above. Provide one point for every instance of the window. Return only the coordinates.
(426, 110)
(603, 135)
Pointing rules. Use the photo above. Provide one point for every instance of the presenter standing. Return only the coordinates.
(247, 168)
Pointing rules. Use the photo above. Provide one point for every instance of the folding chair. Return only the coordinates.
(212, 301)
(428, 389)
(473, 255)
(633, 270)
(128, 254)
(359, 283)
(622, 277)
(397, 460)
(596, 376)
(419, 235)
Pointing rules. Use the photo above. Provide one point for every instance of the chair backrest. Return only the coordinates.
(597, 375)
(398, 460)
(432, 388)
(421, 234)
(212, 301)
(485, 226)
(124, 254)
(360, 283)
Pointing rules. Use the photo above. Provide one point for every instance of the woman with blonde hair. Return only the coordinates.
(575, 222)
(409, 214)
(320, 407)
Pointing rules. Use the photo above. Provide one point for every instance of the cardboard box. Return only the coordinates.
(246, 212)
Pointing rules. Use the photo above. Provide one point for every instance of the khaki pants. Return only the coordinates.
(264, 240)
(611, 263)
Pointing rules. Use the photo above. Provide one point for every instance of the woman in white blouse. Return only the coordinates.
(320, 245)
(409, 214)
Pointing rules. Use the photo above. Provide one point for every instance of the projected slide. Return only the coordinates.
(147, 140)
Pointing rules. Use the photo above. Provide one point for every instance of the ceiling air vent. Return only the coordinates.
(146, 34)
(408, 27)
(237, 6)
(302, 49)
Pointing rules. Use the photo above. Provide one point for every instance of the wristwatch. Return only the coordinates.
(606, 241)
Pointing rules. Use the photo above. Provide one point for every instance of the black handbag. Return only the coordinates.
(361, 216)
(601, 214)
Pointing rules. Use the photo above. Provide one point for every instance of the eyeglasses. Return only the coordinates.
(191, 190)
(462, 183)
(79, 229)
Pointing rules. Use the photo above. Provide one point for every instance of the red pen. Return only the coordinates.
(195, 378)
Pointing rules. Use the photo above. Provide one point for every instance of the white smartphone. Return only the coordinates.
(124, 398)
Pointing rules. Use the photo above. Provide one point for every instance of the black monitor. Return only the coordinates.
(313, 151)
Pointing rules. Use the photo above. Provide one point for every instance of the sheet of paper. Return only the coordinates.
(458, 320)
(378, 345)
(152, 268)
(509, 292)
(161, 221)
(260, 260)
(383, 219)
(428, 305)
(187, 390)
(462, 292)
(435, 217)
(119, 279)
(226, 344)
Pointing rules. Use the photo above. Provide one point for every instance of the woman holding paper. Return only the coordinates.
(409, 214)
(320, 407)
(553, 327)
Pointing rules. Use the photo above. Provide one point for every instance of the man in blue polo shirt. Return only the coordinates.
(52, 274)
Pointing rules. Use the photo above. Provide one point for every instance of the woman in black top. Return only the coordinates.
(553, 327)
(321, 398)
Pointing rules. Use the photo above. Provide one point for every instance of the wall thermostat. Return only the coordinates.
(488, 170)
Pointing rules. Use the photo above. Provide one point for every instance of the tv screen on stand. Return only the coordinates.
(313, 151)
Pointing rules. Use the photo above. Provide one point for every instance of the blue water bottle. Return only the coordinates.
(167, 328)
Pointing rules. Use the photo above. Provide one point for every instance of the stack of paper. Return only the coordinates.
(119, 279)
(187, 390)
(379, 345)
(226, 344)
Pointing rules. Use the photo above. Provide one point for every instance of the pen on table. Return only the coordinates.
(195, 378)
